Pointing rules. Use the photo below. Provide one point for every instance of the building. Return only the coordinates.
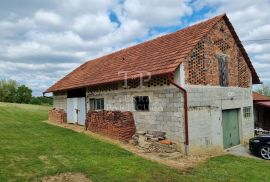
(193, 84)
(261, 111)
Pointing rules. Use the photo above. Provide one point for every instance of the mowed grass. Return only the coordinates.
(30, 149)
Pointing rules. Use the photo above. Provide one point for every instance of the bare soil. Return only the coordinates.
(175, 160)
(66, 177)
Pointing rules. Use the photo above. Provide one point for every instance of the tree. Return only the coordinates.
(11, 91)
(35, 101)
(42, 100)
(23, 94)
(264, 90)
(8, 90)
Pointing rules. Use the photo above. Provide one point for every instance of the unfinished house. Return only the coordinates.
(194, 84)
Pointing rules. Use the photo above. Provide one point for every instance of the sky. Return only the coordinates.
(41, 41)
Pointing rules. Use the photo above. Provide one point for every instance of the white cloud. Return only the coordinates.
(257, 47)
(260, 32)
(263, 58)
(156, 12)
(47, 18)
(93, 25)
(25, 49)
(89, 6)
(13, 29)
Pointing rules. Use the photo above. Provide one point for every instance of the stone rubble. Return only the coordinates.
(153, 141)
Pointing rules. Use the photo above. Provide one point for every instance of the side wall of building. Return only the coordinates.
(205, 115)
(165, 108)
(60, 100)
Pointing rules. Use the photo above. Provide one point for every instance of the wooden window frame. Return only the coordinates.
(247, 111)
(96, 104)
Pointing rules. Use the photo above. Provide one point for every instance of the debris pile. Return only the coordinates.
(153, 141)
(115, 124)
(57, 115)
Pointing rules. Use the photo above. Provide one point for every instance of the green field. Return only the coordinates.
(30, 149)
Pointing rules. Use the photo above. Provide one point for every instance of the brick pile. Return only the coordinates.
(57, 115)
(114, 124)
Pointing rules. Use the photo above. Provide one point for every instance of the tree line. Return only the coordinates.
(12, 91)
(264, 90)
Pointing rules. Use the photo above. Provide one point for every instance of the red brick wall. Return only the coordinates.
(202, 68)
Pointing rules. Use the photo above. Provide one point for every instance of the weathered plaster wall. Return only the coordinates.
(205, 115)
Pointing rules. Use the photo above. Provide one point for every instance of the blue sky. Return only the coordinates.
(41, 41)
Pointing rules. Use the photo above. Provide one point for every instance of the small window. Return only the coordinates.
(247, 112)
(96, 104)
(141, 103)
(223, 70)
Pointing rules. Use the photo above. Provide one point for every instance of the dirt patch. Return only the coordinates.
(175, 160)
(66, 177)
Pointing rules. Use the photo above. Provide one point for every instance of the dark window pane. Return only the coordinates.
(102, 103)
(223, 71)
(96, 104)
(141, 103)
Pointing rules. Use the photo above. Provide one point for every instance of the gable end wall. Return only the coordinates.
(201, 65)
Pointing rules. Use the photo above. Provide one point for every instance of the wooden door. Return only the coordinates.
(230, 125)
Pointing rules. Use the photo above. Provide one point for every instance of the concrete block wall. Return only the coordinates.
(60, 101)
(205, 115)
(165, 108)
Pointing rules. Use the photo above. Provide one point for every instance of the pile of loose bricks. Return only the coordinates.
(114, 124)
(57, 115)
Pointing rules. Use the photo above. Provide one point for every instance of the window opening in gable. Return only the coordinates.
(223, 70)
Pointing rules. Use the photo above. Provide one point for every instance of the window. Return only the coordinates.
(223, 70)
(96, 104)
(141, 103)
(247, 112)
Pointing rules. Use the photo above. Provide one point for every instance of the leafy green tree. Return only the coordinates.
(264, 90)
(23, 95)
(8, 89)
(35, 101)
(42, 100)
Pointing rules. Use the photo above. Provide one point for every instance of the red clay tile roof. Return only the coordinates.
(159, 56)
(260, 97)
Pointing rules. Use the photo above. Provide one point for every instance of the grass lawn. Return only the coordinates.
(30, 149)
